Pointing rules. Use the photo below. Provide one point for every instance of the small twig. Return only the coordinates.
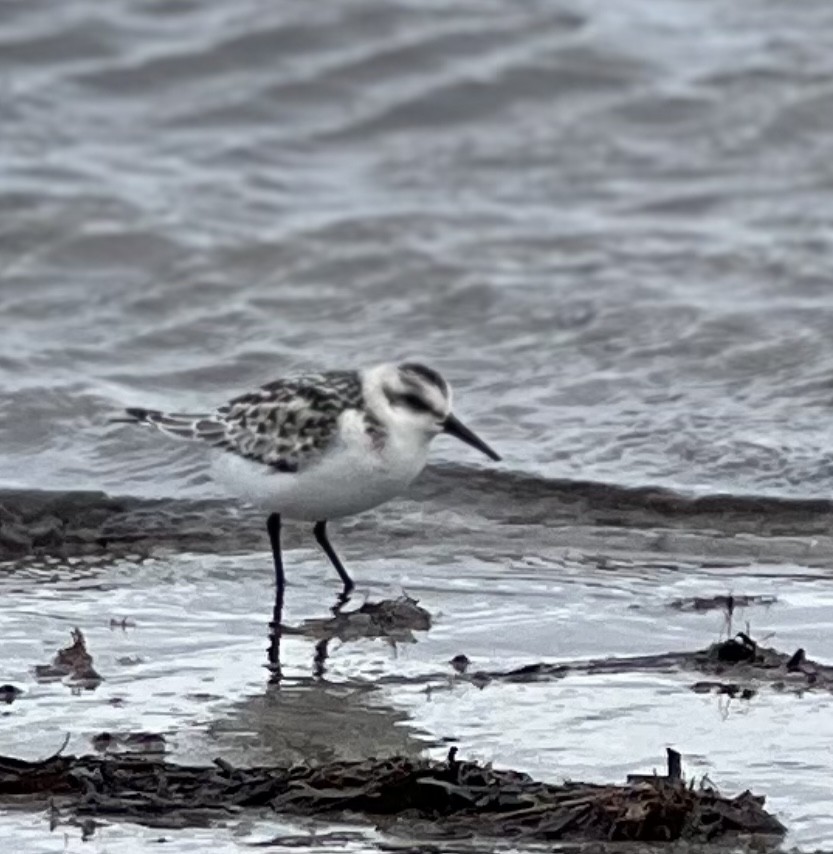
(747, 639)
(730, 612)
(226, 767)
(453, 763)
(675, 764)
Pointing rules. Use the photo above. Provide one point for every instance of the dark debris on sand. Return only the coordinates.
(727, 602)
(740, 663)
(391, 619)
(9, 693)
(457, 797)
(73, 663)
(747, 662)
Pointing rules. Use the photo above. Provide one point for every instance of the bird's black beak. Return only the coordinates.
(456, 428)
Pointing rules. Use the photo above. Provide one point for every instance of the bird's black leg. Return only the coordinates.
(273, 525)
(320, 531)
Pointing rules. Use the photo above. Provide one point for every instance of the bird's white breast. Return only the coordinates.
(357, 473)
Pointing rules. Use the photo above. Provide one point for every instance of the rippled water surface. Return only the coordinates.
(610, 224)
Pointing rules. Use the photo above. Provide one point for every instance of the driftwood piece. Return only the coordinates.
(457, 797)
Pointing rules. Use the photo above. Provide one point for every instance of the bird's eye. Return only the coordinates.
(416, 402)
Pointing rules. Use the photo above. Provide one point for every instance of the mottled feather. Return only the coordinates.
(287, 424)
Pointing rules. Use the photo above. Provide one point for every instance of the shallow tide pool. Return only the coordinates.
(180, 643)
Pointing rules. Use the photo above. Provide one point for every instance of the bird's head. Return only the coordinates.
(416, 398)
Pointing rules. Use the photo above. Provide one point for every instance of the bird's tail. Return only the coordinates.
(180, 424)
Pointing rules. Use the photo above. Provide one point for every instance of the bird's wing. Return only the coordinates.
(288, 424)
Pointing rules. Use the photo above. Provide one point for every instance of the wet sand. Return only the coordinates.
(548, 512)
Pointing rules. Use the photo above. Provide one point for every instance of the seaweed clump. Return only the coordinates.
(458, 798)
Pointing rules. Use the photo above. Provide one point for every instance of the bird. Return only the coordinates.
(320, 446)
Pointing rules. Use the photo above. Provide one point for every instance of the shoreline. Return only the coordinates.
(638, 520)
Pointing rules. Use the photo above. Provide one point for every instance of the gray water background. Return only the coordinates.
(609, 224)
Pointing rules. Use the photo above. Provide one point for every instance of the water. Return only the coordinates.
(189, 666)
(612, 236)
(608, 224)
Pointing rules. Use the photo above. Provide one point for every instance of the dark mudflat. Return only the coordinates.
(72, 523)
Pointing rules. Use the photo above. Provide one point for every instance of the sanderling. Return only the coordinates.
(321, 446)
